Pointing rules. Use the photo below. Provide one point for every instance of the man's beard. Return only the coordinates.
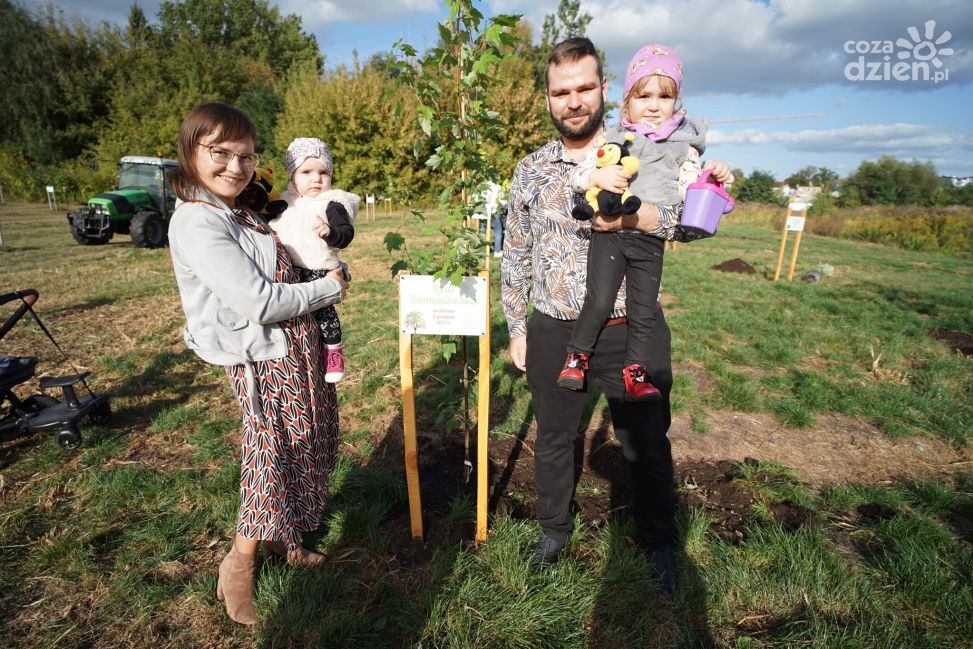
(585, 130)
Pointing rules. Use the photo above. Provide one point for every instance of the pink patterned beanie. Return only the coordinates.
(303, 148)
(653, 59)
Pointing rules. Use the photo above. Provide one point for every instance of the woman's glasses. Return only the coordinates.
(221, 156)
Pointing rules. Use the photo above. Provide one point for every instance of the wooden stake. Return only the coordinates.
(483, 422)
(797, 246)
(780, 255)
(409, 430)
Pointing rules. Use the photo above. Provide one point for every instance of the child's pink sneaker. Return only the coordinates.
(335, 361)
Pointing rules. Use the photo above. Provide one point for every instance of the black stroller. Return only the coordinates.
(40, 412)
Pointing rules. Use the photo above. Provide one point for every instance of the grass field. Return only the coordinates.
(117, 544)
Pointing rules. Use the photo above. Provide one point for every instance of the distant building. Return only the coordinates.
(801, 194)
(957, 181)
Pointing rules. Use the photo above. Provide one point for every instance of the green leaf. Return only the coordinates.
(397, 266)
(393, 241)
(449, 349)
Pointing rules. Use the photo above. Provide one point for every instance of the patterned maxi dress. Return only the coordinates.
(289, 452)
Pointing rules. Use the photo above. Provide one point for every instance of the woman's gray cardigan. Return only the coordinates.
(225, 274)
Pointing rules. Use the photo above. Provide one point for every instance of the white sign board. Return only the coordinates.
(798, 207)
(369, 200)
(436, 307)
(795, 224)
(50, 189)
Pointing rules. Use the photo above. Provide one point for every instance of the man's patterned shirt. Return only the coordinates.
(545, 250)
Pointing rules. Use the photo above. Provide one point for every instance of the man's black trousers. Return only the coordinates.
(640, 427)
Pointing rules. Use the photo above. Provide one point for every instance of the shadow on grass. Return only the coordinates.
(630, 610)
(381, 586)
(167, 380)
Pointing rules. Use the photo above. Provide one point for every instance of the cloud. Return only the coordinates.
(748, 47)
(321, 12)
(900, 140)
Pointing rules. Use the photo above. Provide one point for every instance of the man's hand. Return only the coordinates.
(612, 178)
(518, 352)
(645, 220)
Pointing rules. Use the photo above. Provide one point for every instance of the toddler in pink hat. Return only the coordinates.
(667, 145)
(318, 222)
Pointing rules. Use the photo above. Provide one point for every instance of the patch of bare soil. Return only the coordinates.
(958, 340)
(838, 449)
(735, 266)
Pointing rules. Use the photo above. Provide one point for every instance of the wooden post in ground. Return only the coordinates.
(409, 431)
(780, 255)
(483, 420)
(797, 246)
(793, 222)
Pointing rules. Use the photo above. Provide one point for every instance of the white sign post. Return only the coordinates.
(370, 206)
(51, 198)
(794, 222)
(438, 308)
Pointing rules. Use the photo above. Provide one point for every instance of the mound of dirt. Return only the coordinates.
(958, 340)
(735, 266)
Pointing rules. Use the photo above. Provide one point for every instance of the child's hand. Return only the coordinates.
(721, 172)
(321, 228)
(612, 178)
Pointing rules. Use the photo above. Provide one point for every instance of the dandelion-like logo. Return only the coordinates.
(925, 48)
(918, 58)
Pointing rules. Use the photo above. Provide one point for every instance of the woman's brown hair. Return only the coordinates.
(213, 118)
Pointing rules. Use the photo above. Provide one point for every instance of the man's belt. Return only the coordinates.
(611, 322)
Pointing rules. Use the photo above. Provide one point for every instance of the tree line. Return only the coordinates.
(886, 181)
(83, 96)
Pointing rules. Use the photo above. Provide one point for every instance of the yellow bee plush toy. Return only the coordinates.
(610, 203)
(259, 194)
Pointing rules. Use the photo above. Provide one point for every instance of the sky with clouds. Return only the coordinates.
(875, 77)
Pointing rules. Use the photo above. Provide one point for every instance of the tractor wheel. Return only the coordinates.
(148, 230)
(77, 230)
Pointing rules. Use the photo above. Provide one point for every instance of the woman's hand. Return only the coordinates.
(321, 228)
(339, 275)
(612, 178)
(721, 171)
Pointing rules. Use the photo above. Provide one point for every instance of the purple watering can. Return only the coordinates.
(705, 204)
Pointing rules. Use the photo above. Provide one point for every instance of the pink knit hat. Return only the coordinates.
(653, 59)
(303, 148)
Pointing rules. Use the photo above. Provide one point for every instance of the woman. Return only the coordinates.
(246, 310)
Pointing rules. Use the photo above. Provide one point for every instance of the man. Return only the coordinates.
(545, 260)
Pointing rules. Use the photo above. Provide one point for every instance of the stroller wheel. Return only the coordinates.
(69, 438)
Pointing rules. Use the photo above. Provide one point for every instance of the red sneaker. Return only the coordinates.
(572, 375)
(637, 385)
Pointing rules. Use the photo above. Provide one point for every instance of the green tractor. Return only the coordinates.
(140, 207)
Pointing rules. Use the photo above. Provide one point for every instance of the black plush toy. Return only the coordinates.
(610, 203)
(259, 195)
